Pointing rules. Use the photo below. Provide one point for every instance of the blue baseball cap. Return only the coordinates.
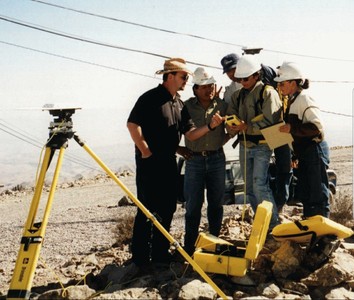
(229, 62)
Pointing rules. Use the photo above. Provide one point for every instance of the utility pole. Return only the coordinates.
(251, 50)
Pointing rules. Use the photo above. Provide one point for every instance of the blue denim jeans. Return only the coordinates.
(313, 187)
(256, 178)
(203, 172)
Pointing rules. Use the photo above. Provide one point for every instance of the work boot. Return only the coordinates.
(280, 209)
(189, 249)
(294, 202)
(132, 271)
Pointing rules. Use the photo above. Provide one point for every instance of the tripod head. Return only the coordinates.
(61, 129)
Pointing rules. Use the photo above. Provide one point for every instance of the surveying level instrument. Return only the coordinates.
(232, 120)
(60, 131)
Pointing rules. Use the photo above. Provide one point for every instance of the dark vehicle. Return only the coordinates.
(234, 184)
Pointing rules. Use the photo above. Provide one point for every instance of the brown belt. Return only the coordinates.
(208, 152)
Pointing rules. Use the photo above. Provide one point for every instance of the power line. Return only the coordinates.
(66, 35)
(19, 137)
(78, 60)
(114, 68)
(335, 113)
(86, 40)
(136, 24)
(333, 81)
(139, 74)
(184, 34)
(34, 142)
(23, 136)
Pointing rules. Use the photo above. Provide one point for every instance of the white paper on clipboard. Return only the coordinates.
(275, 138)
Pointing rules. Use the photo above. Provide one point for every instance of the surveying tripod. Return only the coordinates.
(60, 131)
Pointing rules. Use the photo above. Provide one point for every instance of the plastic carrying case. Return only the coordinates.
(214, 255)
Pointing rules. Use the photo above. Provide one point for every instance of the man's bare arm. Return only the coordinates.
(139, 140)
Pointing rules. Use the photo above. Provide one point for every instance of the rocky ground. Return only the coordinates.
(87, 243)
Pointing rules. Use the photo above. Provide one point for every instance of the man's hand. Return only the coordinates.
(242, 127)
(217, 91)
(285, 128)
(216, 120)
(234, 129)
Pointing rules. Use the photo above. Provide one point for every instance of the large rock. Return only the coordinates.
(269, 290)
(339, 269)
(340, 293)
(286, 259)
(196, 289)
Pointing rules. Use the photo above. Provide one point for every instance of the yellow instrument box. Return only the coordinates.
(232, 120)
(214, 255)
(303, 231)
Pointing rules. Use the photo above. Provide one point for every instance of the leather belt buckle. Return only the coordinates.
(204, 153)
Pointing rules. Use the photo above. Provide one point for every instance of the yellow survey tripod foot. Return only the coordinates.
(33, 234)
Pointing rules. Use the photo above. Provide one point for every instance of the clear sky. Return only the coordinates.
(106, 81)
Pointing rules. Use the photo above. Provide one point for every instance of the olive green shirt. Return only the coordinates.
(214, 139)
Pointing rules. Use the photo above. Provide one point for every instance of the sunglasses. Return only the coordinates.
(184, 77)
(245, 79)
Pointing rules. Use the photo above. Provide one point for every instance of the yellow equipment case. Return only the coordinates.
(214, 255)
(310, 228)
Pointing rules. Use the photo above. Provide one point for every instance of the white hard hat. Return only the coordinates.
(246, 66)
(201, 77)
(288, 71)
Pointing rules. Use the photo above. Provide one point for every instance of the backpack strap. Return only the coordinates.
(238, 100)
(259, 103)
(289, 101)
(303, 114)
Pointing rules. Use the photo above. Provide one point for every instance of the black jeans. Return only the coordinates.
(156, 180)
(313, 185)
(283, 174)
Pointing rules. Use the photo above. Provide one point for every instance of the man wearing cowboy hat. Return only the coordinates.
(156, 124)
(205, 164)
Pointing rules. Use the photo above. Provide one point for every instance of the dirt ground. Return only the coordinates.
(85, 218)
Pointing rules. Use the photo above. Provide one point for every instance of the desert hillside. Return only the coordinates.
(86, 220)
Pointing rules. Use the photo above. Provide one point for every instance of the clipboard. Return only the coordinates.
(275, 138)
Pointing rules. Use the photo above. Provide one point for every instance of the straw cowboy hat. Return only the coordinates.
(174, 65)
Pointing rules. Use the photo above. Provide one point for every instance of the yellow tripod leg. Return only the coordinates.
(152, 218)
(33, 234)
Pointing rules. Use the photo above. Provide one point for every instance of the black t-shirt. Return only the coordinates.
(163, 120)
